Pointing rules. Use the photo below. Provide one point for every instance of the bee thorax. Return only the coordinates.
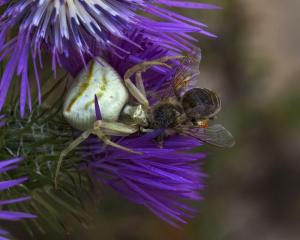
(165, 116)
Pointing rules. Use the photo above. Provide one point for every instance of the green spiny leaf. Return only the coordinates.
(40, 137)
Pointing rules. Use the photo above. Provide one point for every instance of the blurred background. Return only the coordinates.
(253, 189)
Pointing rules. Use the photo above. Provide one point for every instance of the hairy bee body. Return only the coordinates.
(165, 115)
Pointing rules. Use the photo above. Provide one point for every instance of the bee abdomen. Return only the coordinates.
(199, 103)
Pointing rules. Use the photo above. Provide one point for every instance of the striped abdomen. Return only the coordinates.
(200, 103)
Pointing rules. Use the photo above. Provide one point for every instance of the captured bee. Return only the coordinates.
(187, 109)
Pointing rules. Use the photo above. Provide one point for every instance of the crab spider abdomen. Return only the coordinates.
(99, 79)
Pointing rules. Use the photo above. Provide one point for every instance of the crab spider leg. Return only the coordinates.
(168, 58)
(143, 66)
(114, 128)
(135, 92)
(100, 129)
(138, 91)
(107, 141)
(146, 130)
(140, 83)
(65, 152)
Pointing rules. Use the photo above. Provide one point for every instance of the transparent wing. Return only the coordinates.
(185, 75)
(216, 135)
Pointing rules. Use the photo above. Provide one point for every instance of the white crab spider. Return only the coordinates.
(101, 80)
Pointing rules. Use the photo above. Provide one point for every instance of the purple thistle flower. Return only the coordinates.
(5, 166)
(64, 28)
(162, 179)
(131, 55)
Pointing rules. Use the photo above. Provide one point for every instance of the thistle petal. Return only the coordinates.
(67, 28)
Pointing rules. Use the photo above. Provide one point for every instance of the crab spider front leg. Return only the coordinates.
(114, 129)
(139, 91)
(139, 83)
(65, 152)
(107, 141)
(101, 129)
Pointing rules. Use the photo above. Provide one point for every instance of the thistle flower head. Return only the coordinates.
(161, 179)
(65, 28)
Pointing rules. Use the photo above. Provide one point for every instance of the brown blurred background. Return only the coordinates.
(253, 189)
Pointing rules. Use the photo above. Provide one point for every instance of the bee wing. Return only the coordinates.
(185, 75)
(216, 135)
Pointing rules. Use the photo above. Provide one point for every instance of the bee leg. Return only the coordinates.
(160, 140)
(65, 152)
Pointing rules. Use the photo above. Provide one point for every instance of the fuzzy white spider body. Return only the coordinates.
(99, 79)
